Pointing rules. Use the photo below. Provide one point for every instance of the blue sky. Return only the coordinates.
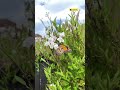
(56, 8)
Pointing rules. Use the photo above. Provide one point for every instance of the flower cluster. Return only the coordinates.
(52, 40)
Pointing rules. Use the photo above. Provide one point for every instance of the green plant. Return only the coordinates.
(102, 46)
(67, 72)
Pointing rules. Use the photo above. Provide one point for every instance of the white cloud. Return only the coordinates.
(82, 15)
(53, 2)
(63, 14)
(40, 12)
(57, 8)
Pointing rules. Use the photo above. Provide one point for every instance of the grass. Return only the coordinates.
(102, 46)
(16, 61)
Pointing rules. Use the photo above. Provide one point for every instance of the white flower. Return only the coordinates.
(52, 38)
(55, 46)
(51, 45)
(51, 34)
(62, 34)
(60, 39)
(28, 42)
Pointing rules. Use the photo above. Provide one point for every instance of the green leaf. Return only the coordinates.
(20, 80)
(59, 86)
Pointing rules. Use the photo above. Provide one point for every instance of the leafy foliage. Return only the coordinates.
(67, 71)
(102, 51)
